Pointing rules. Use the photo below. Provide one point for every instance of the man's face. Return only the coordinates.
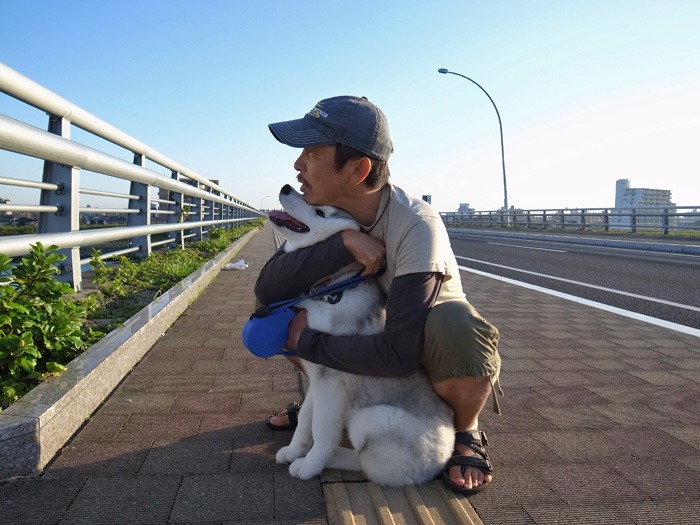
(321, 183)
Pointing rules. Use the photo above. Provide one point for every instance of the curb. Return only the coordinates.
(36, 427)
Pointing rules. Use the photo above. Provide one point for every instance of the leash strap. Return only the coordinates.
(352, 282)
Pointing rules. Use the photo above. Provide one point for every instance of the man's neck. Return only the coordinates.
(364, 207)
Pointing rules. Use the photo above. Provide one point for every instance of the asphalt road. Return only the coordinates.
(661, 285)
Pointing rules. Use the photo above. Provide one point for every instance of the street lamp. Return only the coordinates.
(500, 127)
(263, 200)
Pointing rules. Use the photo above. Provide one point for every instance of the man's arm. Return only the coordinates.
(397, 351)
(288, 275)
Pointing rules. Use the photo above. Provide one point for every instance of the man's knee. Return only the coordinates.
(456, 321)
(459, 342)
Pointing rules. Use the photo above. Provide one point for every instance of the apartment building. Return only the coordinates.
(628, 199)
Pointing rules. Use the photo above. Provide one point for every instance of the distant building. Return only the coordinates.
(464, 208)
(428, 199)
(23, 221)
(6, 201)
(628, 199)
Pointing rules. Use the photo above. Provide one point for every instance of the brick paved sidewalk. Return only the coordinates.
(601, 416)
(601, 424)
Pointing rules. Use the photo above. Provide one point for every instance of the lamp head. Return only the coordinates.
(443, 70)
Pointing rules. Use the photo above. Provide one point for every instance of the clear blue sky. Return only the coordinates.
(589, 91)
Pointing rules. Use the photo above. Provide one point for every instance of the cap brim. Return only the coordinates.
(299, 134)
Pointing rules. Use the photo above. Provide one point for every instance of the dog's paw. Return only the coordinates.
(288, 454)
(282, 455)
(305, 469)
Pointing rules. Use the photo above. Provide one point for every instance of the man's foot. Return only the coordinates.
(469, 470)
(286, 419)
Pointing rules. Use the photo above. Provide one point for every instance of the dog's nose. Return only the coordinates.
(286, 189)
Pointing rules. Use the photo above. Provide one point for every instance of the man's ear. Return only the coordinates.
(362, 167)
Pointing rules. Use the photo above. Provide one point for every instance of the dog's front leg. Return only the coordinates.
(301, 440)
(330, 404)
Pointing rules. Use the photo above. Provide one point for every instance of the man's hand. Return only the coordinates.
(366, 250)
(295, 327)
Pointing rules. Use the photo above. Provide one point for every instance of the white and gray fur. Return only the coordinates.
(401, 431)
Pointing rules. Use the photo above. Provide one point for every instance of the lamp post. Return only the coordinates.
(500, 127)
(263, 200)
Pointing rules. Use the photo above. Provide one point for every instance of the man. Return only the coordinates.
(343, 163)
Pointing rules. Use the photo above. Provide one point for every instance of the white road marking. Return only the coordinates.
(579, 283)
(626, 313)
(527, 247)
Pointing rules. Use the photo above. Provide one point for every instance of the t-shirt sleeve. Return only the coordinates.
(395, 352)
(422, 248)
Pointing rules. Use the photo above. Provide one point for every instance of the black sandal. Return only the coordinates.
(475, 440)
(292, 411)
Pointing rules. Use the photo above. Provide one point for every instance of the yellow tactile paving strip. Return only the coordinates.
(365, 503)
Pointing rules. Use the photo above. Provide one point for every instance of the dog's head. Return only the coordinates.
(304, 224)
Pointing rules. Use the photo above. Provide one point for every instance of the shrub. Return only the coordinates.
(40, 328)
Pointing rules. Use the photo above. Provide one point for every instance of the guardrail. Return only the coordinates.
(633, 220)
(187, 205)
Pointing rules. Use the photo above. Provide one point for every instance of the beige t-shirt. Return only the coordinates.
(416, 241)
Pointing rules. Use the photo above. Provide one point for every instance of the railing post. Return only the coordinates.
(633, 220)
(544, 219)
(234, 209)
(143, 217)
(197, 214)
(211, 209)
(67, 197)
(207, 213)
(583, 219)
(176, 208)
(606, 220)
(225, 210)
(665, 221)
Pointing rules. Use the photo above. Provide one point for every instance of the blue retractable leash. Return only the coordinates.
(265, 333)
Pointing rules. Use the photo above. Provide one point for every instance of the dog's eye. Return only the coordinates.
(320, 213)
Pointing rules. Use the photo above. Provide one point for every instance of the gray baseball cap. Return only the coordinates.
(353, 121)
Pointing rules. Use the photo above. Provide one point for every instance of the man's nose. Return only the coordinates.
(299, 164)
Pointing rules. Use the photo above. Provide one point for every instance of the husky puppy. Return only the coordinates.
(401, 431)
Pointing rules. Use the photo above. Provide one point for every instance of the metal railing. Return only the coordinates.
(187, 206)
(633, 220)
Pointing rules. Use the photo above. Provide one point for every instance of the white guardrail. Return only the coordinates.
(186, 207)
(660, 219)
